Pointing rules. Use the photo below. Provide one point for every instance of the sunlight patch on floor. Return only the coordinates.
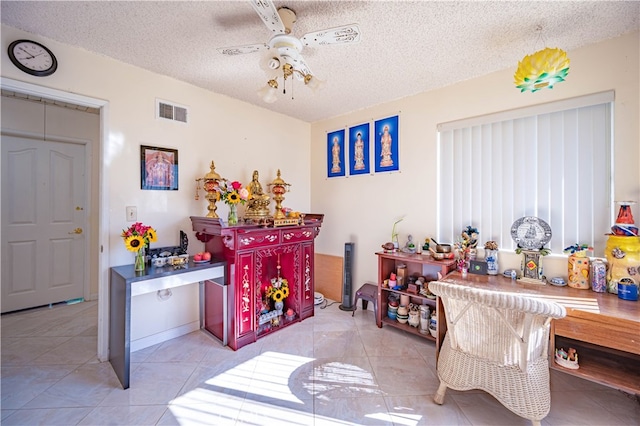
(342, 376)
(402, 418)
(205, 407)
(265, 376)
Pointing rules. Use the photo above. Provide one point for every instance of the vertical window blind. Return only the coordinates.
(552, 161)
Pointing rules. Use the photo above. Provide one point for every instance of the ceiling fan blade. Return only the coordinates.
(269, 15)
(338, 35)
(240, 50)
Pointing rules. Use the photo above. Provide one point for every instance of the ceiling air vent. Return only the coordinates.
(171, 111)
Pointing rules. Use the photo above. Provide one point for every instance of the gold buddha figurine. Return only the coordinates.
(258, 203)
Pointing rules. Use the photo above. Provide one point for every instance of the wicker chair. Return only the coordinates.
(497, 342)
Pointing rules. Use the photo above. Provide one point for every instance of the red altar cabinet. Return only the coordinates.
(255, 256)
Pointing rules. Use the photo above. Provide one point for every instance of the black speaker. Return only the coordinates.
(347, 279)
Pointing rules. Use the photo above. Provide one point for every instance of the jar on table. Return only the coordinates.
(598, 276)
(579, 270)
(491, 257)
(623, 258)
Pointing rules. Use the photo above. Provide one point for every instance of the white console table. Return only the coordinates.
(125, 283)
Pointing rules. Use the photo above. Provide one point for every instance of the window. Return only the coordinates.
(552, 161)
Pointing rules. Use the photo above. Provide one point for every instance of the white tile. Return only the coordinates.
(47, 416)
(76, 350)
(415, 410)
(329, 369)
(404, 375)
(131, 415)
(266, 410)
(190, 348)
(338, 344)
(588, 408)
(483, 409)
(364, 410)
(335, 378)
(85, 386)
(151, 383)
(22, 384)
(23, 350)
(5, 413)
(221, 410)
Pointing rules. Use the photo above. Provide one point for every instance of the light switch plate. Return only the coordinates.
(132, 213)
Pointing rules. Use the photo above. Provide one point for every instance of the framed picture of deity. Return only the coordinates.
(359, 144)
(158, 168)
(386, 144)
(335, 154)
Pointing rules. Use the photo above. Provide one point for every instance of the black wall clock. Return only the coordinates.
(32, 58)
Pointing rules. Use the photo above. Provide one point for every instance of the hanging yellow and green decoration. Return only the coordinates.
(542, 69)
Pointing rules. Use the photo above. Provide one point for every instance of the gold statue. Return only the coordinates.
(258, 203)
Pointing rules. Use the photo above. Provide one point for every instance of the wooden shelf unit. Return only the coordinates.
(418, 265)
(420, 300)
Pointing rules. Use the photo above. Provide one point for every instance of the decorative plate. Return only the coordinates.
(201, 261)
(530, 233)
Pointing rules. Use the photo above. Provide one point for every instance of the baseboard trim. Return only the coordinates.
(154, 339)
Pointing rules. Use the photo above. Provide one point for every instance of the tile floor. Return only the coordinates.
(331, 369)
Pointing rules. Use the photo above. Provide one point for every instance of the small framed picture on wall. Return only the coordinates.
(386, 143)
(359, 144)
(335, 154)
(158, 168)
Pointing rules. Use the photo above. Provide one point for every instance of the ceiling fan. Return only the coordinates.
(284, 50)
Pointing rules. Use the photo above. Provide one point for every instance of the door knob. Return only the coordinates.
(76, 231)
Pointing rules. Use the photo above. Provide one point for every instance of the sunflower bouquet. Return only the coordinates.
(138, 236)
(277, 289)
(232, 193)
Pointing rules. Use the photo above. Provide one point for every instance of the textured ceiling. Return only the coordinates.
(405, 48)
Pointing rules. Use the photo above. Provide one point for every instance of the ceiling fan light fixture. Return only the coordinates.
(273, 63)
(269, 92)
(287, 70)
(314, 83)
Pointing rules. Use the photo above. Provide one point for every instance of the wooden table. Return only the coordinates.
(604, 329)
(126, 283)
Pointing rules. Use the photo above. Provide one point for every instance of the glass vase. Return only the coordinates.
(139, 264)
(232, 219)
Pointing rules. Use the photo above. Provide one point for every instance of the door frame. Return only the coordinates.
(103, 199)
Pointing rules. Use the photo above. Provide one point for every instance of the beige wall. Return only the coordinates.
(239, 137)
(363, 208)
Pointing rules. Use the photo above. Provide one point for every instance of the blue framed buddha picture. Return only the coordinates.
(386, 144)
(359, 150)
(335, 154)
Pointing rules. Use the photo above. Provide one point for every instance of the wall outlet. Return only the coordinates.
(132, 213)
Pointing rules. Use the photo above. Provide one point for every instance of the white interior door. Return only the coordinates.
(43, 222)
